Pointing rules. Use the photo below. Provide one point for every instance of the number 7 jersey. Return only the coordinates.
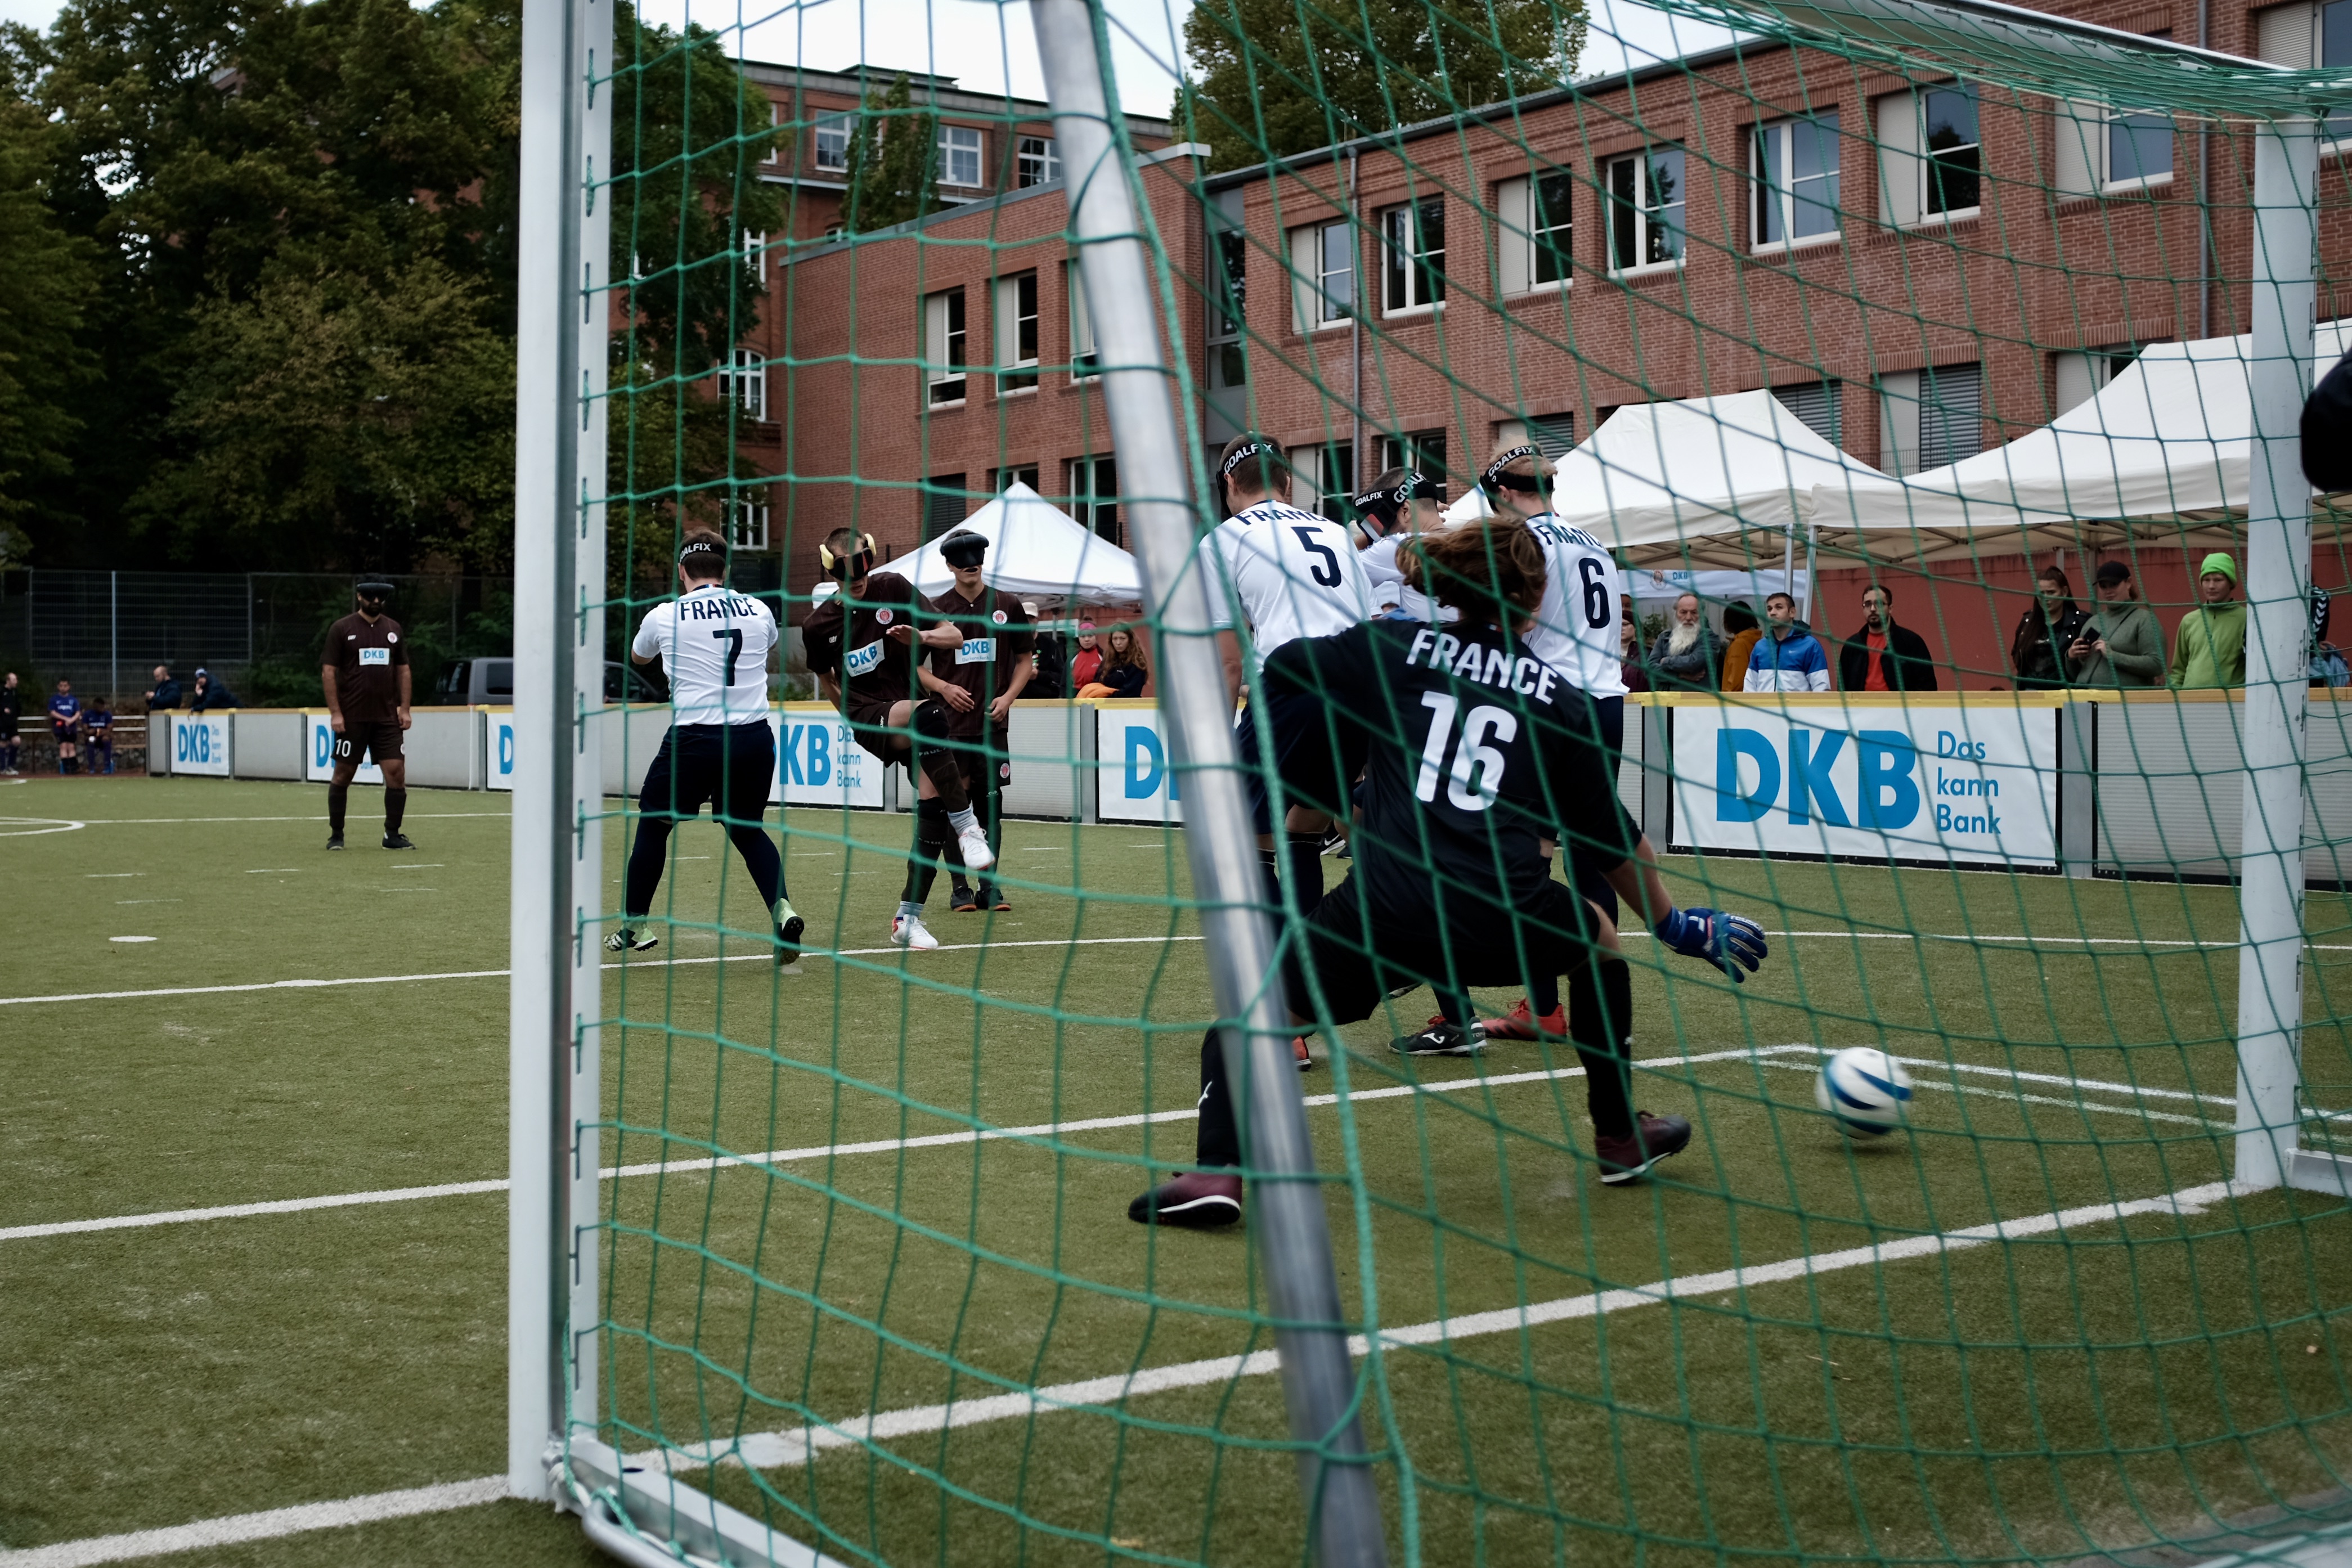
(714, 646)
(1294, 573)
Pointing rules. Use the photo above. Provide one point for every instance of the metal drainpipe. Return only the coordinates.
(2204, 195)
(1356, 330)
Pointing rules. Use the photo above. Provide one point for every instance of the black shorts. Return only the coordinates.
(728, 767)
(989, 770)
(1585, 868)
(63, 734)
(359, 742)
(1318, 769)
(1550, 932)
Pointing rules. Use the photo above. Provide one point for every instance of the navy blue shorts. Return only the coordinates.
(727, 767)
(1318, 767)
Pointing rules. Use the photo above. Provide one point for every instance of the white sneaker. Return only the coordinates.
(909, 930)
(973, 843)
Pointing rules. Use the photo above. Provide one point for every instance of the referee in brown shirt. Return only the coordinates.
(366, 671)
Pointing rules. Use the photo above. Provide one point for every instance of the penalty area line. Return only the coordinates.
(236, 1530)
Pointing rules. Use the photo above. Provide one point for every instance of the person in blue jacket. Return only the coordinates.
(1788, 657)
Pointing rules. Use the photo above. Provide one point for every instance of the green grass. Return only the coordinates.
(2119, 1383)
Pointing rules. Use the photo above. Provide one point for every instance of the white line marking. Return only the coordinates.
(34, 827)
(760, 957)
(427, 866)
(98, 876)
(150, 901)
(1099, 1396)
(2084, 1106)
(237, 1529)
(172, 821)
(130, 939)
(1095, 1396)
(274, 871)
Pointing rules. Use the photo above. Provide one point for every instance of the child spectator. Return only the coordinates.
(65, 726)
(98, 729)
(1089, 660)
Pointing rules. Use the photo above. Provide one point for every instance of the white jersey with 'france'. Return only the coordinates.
(1390, 590)
(1576, 631)
(1294, 573)
(714, 644)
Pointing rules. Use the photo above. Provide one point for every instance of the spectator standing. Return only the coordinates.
(1739, 626)
(2050, 626)
(1125, 670)
(1050, 660)
(64, 724)
(209, 695)
(1684, 657)
(98, 731)
(1629, 651)
(2210, 649)
(1884, 656)
(12, 714)
(165, 692)
(1788, 657)
(2120, 644)
(1089, 659)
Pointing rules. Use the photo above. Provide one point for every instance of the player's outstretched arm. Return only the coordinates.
(1732, 943)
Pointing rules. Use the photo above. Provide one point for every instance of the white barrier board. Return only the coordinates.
(819, 761)
(318, 754)
(1918, 781)
(499, 748)
(199, 743)
(1135, 781)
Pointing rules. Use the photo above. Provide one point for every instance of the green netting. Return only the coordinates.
(1826, 300)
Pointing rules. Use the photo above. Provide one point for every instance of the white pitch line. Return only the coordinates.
(2136, 1113)
(237, 1529)
(175, 821)
(1095, 1396)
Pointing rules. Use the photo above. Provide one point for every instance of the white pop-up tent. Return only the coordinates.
(1722, 482)
(2163, 451)
(1035, 550)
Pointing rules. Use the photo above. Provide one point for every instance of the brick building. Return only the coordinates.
(1919, 267)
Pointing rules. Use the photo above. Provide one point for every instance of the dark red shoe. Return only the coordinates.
(1654, 1138)
(1197, 1200)
(1300, 1054)
(1521, 1023)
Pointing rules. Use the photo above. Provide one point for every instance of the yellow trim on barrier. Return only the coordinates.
(1857, 699)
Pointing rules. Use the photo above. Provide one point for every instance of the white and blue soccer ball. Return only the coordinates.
(1864, 1090)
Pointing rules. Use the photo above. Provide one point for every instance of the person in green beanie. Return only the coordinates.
(2121, 643)
(2210, 649)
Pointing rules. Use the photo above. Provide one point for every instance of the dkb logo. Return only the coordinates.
(1886, 793)
(195, 742)
(808, 754)
(1147, 765)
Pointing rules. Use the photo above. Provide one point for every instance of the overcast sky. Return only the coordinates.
(982, 44)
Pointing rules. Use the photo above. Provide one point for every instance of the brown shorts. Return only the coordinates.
(876, 734)
(359, 742)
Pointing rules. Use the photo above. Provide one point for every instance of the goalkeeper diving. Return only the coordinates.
(1478, 751)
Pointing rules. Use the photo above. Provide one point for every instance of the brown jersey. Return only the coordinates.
(367, 659)
(997, 636)
(856, 648)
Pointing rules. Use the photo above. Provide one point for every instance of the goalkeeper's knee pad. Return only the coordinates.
(931, 719)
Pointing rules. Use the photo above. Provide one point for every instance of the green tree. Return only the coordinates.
(893, 162)
(1272, 77)
(47, 279)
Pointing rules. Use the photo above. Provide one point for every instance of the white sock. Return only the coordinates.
(964, 820)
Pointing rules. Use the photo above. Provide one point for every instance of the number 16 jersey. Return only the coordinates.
(1294, 573)
(714, 644)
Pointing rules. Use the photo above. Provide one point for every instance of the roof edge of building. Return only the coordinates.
(924, 89)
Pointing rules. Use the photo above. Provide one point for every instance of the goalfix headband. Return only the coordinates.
(701, 547)
(1414, 486)
(1254, 446)
(859, 562)
(1494, 477)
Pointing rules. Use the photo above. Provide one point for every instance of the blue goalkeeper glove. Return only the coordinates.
(1730, 941)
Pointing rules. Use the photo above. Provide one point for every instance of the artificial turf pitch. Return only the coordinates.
(2096, 1386)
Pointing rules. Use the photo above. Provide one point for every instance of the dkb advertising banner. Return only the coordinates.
(1136, 784)
(819, 761)
(499, 748)
(199, 743)
(1975, 783)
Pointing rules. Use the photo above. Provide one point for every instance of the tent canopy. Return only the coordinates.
(2162, 452)
(1035, 550)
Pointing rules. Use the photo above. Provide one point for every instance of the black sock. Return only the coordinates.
(1454, 1005)
(395, 806)
(646, 858)
(931, 838)
(1306, 869)
(759, 857)
(338, 796)
(1597, 999)
(1218, 1141)
(1269, 866)
(1543, 995)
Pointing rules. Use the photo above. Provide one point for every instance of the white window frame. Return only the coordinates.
(747, 524)
(1524, 239)
(1620, 211)
(1040, 153)
(954, 146)
(1904, 410)
(755, 249)
(1016, 371)
(1315, 306)
(946, 357)
(2295, 36)
(1901, 119)
(1778, 187)
(1403, 252)
(827, 125)
(1002, 479)
(2084, 134)
(1085, 498)
(746, 378)
(775, 143)
(1323, 480)
(1085, 357)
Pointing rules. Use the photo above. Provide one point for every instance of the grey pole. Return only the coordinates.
(1286, 1204)
(113, 632)
(2278, 595)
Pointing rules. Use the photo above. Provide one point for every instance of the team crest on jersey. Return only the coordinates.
(1004, 771)
(391, 636)
(882, 617)
(998, 618)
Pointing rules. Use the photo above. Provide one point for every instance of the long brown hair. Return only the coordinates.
(1493, 570)
(1133, 654)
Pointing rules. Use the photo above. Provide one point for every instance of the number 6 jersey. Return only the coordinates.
(1294, 573)
(1576, 629)
(714, 644)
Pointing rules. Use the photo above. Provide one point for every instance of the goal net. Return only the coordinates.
(1918, 387)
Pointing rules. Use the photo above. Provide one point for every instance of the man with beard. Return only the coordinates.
(1682, 658)
(1884, 656)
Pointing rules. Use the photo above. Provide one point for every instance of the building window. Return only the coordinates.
(832, 137)
(943, 342)
(1094, 496)
(943, 502)
(1795, 170)
(1818, 407)
(2101, 150)
(747, 380)
(775, 142)
(1323, 478)
(1039, 162)
(1017, 332)
(1645, 210)
(1536, 221)
(1931, 418)
(1553, 435)
(1085, 363)
(2140, 148)
(959, 155)
(747, 524)
(2078, 376)
(2308, 36)
(1228, 367)
(1018, 474)
(1421, 449)
(1413, 239)
(1930, 155)
(755, 253)
(1323, 261)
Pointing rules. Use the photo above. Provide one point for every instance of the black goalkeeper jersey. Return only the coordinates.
(1475, 750)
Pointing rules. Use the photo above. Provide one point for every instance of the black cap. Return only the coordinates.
(965, 548)
(376, 589)
(2110, 573)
